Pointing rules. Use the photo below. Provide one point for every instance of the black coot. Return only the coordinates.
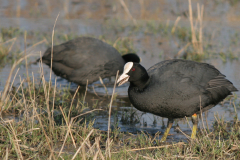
(175, 89)
(86, 58)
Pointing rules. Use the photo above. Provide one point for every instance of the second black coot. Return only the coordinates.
(175, 89)
(86, 58)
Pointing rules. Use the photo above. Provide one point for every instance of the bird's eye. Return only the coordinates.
(133, 69)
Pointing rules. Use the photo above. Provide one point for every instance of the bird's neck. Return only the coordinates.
(141, 83)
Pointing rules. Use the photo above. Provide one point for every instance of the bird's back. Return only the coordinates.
(178, 88)
(84, 58)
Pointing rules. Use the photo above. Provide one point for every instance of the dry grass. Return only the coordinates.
(196, 28)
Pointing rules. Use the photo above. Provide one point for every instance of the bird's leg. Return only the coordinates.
(164, 137)
(195, 123)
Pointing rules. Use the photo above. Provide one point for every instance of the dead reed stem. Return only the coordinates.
(33, 99)
(175, 24)
(30, 48)
(183, 49)
(13, 40)
(97, 140)
(68, 131)
(157, 147)
(82, 144)
(85, 113)
(72, 104)
(109, 117)
(15, 142)
(101, 81)
(52, 50)
(128, 12)
(200, 18)
(50, 82)
(18, 14)
(188, 137)
(202, 115)
(85, 94)
(68, 126)
(25, 52)
(205, 114)
(54, 93)
(11, 87)
(26, 63)
(197, 44)
(24, 99)
(194, 40)
(6, 156)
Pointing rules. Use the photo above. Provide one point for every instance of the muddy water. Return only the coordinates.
(220, 30)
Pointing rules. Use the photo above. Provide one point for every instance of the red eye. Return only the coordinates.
(133, 69)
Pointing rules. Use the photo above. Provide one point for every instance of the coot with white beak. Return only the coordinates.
(175, 89)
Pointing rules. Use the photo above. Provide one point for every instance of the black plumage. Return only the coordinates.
(175, 88)
(86, 58)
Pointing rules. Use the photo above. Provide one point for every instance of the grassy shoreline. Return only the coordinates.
(52, 125)
(47, 122)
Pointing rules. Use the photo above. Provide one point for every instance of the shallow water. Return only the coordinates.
(221, 28)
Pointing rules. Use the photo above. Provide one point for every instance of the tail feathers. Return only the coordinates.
(219, 93)
(220, 87)
(221, 81)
